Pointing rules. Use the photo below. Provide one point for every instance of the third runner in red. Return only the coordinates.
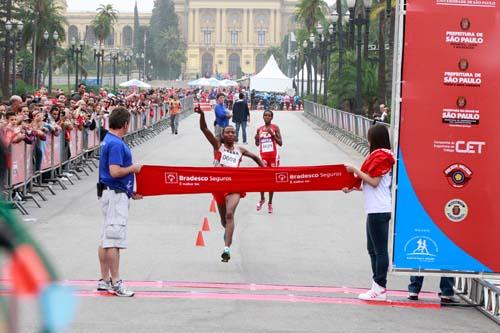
(267, 139)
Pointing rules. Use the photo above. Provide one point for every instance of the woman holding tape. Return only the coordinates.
(375, 181)
(226, 154)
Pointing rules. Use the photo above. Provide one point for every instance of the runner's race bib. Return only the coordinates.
(229, 159)
(267, 145)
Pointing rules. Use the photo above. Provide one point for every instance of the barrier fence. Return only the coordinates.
(350, 128)
(63, 156)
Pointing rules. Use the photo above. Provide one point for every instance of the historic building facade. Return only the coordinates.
(223, 36)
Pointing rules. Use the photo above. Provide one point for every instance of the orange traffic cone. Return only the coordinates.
(199, 240)
(213, 208)
(206, 226)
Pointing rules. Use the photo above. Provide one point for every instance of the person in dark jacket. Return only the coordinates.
(241, 116)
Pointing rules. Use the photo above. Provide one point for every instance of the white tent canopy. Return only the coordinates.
(135, 83)
(298, 79)
(271, 79)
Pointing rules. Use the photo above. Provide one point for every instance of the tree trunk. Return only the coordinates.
(381, 59)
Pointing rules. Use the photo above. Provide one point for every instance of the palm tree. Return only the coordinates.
(309, 12)
(40, 16)
(104, 21)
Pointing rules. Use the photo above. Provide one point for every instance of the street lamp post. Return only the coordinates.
(99, 56)
(115, 56)
(11, 30)
(75, 50)
(304, 48)
(128, 60)
(332, 32)
(312, 39)
(359, 22)
(351, 5)
(51, 43)
(368, 6)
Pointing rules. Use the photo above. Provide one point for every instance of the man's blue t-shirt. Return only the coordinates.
(114, 151)
(220, 116)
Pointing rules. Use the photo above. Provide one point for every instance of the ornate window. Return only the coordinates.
(234, 37)
(261, 38)
(207, 61)
(72, 33)
(207, 37)
(234, 64)
(128, 36)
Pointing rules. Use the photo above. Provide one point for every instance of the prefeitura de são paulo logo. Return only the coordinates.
(456, 210)
(458, 175)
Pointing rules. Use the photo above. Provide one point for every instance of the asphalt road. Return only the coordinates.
(297, 270)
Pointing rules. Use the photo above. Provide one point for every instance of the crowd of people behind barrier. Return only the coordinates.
(44, 131)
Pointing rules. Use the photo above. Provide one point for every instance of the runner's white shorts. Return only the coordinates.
(115, 211)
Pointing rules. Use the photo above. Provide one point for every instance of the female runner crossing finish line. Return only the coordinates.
(267, 138)
(226, 154)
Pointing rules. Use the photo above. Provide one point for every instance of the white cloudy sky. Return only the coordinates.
(120, 5)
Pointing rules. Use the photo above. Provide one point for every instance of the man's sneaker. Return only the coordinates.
(413, 296)
(449, 300)
(104, 285)
(377, 293)
(259, 205)
(120, 290)
(270, 208)
(226, 255)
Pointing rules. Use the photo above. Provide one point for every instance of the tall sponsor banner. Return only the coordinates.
(159, 180)
(447, 215)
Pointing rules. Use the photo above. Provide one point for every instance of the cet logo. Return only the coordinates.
(171, 178)
(469, 147)
(421, 248)
(458, 175)
(282, 177)
(456, 210)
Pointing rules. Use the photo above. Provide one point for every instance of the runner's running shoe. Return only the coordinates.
(259, 205)
(226, 255)
(104, 285)
(270, 208)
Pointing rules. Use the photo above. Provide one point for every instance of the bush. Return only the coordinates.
(23, 88)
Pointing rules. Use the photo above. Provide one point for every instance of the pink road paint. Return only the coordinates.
(242, 286)
(248, 286)
(268, 298)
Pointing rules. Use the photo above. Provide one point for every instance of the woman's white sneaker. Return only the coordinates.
(377, 293)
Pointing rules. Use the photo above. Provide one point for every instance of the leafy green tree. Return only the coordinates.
(104, 22)
(342, 88)
(309, 12)
(37, 16)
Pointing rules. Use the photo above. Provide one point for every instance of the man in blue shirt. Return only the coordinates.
(222, 116)
(115, 188)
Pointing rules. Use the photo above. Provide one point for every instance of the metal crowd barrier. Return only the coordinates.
(484, 294)
(63, 159)
(349, 128)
